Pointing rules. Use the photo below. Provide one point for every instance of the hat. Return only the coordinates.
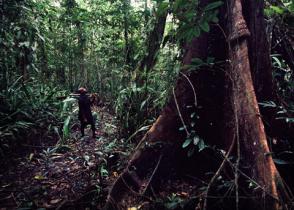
(82, 90)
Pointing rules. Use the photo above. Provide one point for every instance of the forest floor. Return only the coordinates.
(79, 174)
(75, 175)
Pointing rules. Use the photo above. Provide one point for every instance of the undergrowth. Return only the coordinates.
(29, 113)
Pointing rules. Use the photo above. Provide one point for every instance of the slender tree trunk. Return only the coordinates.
(126, 32)
(71, 75)
(60, 73)
(153, 42)
(4, 76)
(146, 16)
(44, 62)
(23, 63)
(82, 42)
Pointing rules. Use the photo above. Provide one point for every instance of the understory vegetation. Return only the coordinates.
(129, 55)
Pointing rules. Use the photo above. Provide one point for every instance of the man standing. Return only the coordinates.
(85, 114)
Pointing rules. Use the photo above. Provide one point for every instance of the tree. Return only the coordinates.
(20, 36)
(154, 39)
(230, 101)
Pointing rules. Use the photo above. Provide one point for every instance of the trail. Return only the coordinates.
(76, 175)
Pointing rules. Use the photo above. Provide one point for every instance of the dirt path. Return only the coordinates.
(74, 176)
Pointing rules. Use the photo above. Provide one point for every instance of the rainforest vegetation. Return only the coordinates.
(193, 103)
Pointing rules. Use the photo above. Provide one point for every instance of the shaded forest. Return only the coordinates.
(191, 104)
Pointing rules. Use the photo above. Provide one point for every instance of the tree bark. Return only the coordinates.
(153, 43)
(249, 129)
(258, 51)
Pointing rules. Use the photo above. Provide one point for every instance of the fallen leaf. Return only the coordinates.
(55, 201)
(39, 177)
(115, 174)
(31, 156)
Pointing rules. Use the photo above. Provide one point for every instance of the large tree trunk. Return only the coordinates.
(244, 128)
(259, 51)
(248, 127)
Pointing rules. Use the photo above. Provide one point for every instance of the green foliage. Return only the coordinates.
(193, 142)
(282, 9)
(274, 10)
(193, 19)
(173, 202)
(28, 113)
(282, 112)
(66, 128)
(283, 76)
(67, 51)
(103, 171)
(69, 112)
(284, 80)
(213, 5)
(136, 105)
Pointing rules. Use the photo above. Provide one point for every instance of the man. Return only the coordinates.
(85, 114)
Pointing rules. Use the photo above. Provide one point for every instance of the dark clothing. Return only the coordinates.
(85, 114)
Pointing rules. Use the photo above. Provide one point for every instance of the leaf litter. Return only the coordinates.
(77, 174)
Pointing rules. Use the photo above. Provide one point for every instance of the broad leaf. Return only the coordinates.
(201, 145)
(186, 143)
(204, 26)
(196, 140)
(282, 162)
(213, 5)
